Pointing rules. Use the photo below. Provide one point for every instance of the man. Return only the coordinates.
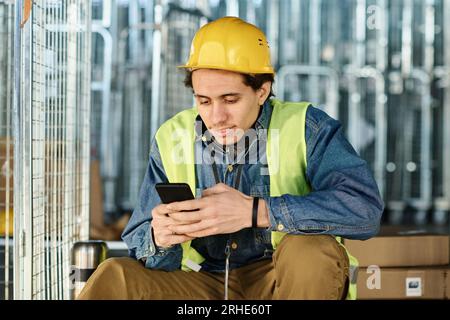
(276, 185)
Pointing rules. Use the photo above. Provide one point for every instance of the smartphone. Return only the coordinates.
(171, 192)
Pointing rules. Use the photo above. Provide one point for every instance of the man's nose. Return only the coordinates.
(219, 114)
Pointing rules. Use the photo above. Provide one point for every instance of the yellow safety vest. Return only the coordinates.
(176, 138)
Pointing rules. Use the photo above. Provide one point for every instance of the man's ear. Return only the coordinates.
(263, 92)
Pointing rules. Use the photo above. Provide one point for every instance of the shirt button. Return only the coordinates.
(204, 138)
(280, 227)
(234, 246)
(230, 167)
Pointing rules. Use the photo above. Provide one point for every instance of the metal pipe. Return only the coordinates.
(406, 50)
(149, 35)
(424, 203)
(22, 150)
(106, 15)
(250, 14)
(285, 49)
(314, 47)
(105, 21)
(429, 34)
(354, 111)
(60, 64)
(156, 70)
(360, 33)
(273, 30)
(134, 43)
(50, 87)
(86, 80)
(39, 154)
(396, 199)
(331, 74)
(382, 48)
(295, 37)
(233, 8)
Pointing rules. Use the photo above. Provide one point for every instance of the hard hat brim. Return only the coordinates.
(247, 71)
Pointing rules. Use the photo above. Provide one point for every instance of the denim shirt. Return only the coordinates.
(344, 200)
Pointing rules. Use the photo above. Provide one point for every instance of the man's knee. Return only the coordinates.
(310, 248)
(109, 281)
(117, 264)
(316, 262)
(118, 269)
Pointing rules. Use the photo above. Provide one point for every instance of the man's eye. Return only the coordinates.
(204, 102)
(231, 101)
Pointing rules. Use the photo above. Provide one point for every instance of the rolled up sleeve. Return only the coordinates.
(138, 233)
(344, 200)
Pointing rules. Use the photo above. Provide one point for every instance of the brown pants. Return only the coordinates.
(303, 267)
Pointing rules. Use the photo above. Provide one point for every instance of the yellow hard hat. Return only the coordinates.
(232, 44)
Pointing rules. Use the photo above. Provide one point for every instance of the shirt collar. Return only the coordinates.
(264, 117)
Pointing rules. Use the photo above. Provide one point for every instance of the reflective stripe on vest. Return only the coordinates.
(286, 157)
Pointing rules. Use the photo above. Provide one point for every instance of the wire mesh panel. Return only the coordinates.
(52, 141)
(6, 149)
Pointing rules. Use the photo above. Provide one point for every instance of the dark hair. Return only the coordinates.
(255, 81)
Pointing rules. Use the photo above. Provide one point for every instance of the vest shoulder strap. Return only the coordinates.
(286, 148)
(175, 140)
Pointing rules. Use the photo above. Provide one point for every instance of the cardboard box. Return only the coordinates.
(4, 229)
(53, 148)
(51, 187)
(402, 283)
(394, 248)
(96, 195)
(447, 284)
(98, 230)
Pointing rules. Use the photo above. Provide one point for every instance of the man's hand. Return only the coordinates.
(221, 209)
(161, 222)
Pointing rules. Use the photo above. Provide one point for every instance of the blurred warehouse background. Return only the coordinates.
(381, 67)
(84, 84)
